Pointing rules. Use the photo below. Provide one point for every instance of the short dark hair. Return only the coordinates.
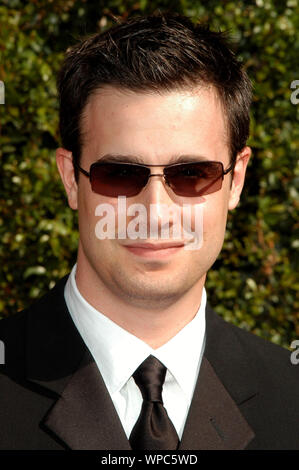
(159, 52)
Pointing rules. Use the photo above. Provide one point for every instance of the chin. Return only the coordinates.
(160, 290)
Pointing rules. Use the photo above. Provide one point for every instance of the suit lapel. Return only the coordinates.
(82, 414)
(84, 417)
(226, 386)
(214, 421)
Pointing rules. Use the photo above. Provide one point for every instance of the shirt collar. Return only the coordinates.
(118, 353)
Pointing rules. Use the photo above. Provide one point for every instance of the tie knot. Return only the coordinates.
(150, 377)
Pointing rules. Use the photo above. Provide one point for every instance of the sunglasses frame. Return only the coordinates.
(98, 163)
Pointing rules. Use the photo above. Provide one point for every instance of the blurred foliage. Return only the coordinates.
(253, 284)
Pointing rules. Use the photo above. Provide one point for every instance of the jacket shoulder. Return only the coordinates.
(14, 329)
(238, 346)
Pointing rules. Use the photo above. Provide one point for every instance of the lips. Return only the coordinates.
(154, 250)
(156, 246)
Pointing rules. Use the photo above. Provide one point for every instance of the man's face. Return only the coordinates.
(157, 129)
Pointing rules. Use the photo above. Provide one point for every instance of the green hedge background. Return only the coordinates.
(253, 284)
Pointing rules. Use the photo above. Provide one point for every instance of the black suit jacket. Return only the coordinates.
(53, 396)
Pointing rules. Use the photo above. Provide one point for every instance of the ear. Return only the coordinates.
(239, 177)
(65, 166)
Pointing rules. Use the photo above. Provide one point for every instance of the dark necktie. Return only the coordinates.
(153, 430)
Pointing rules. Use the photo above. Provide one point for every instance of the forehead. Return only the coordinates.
(150, 123)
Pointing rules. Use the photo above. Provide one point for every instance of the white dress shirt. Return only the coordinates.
(119, 353)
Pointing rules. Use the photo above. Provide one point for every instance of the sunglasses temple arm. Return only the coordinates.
(230, 168)
(81, 169)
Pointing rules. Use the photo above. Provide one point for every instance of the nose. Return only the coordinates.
(156, 191)
(162, 212)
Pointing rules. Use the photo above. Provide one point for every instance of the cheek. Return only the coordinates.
(87, 204)
(214, 219)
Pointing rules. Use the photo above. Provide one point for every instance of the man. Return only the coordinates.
(126, 353)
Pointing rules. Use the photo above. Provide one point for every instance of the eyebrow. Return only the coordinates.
(110, 157)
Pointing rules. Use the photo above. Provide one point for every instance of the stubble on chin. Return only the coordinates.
(151, 287)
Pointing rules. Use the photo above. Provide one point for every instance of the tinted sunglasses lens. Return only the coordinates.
(195, 179)
(116, 179)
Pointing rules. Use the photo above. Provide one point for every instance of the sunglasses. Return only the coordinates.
(193, 179)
